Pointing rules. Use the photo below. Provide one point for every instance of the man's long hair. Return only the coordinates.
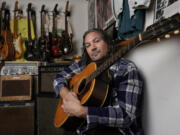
(85, 57)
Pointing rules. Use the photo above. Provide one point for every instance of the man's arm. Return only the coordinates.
(71, 103)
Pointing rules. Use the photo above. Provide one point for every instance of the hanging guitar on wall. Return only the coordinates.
(36, 50)
(9, 52)
(3, 47)
(66, 37)
(55, 41)
(29, 43)
(44, 40)
(17, 38)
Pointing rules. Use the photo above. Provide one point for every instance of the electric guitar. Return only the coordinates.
(36, 49)
(91, 90)
(9, 51)
(17, 39)
(54, 39)
(66, 38)
(29, 43)
(3, 45)
(44, 40)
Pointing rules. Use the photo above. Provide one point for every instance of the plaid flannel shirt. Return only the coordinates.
(124, 109)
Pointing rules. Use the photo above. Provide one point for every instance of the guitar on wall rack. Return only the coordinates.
(55, 41)
(3, 47)
(8, 37)
(66, 37)
(29, 43)
(36, 50)
(87, 83)
(44, 40)
(17, 39)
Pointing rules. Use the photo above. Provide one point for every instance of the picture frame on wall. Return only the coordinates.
(103, 14)
(165, 8)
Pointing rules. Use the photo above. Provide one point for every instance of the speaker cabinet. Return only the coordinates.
(15, 87)
(47, 74)
(17, 119)
(46, 108)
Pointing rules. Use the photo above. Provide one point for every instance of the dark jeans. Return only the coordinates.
(103, 131)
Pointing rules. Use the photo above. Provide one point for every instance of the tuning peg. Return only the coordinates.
(167, 36)
(158, 39)
(176, 32)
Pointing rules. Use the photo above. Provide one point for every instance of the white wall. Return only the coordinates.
(78, 18)
(160, 65)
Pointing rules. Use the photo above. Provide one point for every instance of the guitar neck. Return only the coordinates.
(29, 28)
(29, 22)
(15, 24)
(2, 16)
(66, 24)
(42, 25)
(66, 13)
(55, 13)
(54, 26)
(7, 20)
(33, 16)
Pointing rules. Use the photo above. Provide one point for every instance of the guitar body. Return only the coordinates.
(17, 41)
(36, 50)
(55, 51)
(4, 48)
(7, 51)
(1, 41)
(66, 42)
(43, 44)
(11, 49)
(93, 93)
(28, 55)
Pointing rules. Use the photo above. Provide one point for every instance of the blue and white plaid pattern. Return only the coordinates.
(124, 109)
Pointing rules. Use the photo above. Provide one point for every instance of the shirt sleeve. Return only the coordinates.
(61, 79)
(125, 104)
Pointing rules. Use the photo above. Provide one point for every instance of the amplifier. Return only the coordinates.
(46, 74)
(17, 119)
(15, 87)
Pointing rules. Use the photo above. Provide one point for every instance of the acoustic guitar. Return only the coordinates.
(66, 37)
(17, 38)
(86, 84)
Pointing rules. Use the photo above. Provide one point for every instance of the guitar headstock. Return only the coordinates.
(16, 6)
(3, 6)
(67, 13)
(29, 7)
(163, 29)
(55, 11)
(43, 9)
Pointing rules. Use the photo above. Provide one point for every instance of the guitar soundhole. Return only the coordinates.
(81, 89)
